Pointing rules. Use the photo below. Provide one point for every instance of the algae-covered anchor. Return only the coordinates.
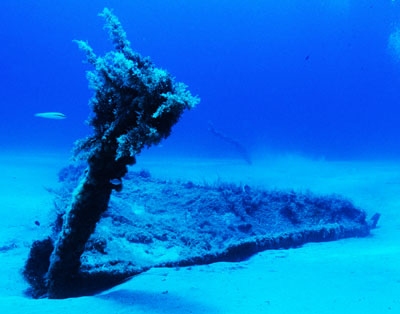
(134, 106)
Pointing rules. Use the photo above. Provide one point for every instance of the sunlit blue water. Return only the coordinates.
(319, 78)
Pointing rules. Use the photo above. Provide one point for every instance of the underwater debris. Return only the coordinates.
(239, 147)
(221, 222)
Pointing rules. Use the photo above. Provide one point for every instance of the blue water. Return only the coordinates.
(317, 78)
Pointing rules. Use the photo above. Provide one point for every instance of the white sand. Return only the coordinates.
(347, 276)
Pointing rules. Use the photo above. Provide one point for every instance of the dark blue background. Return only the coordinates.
(289, 76)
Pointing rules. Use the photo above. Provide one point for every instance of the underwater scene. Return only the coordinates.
(170, 156)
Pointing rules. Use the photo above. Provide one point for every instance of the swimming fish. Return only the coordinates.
(51, 115)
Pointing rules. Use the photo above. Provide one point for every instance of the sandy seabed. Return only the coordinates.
(358, 275)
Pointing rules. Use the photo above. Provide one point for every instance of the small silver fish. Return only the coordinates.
(51, 115)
